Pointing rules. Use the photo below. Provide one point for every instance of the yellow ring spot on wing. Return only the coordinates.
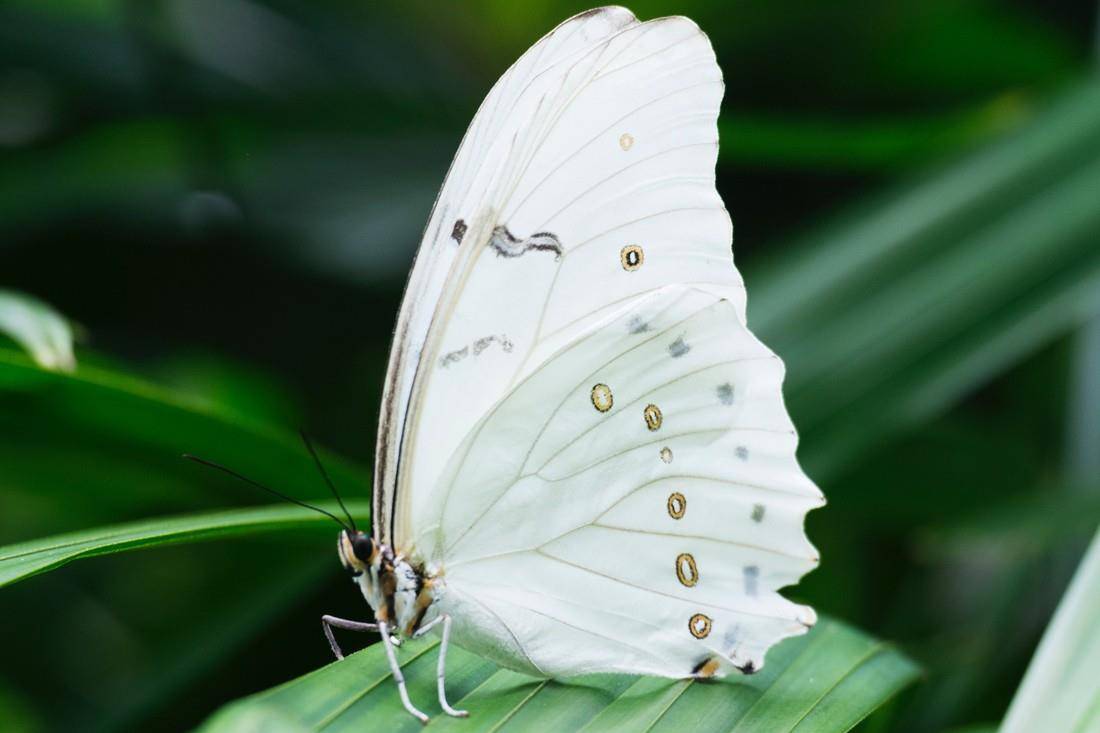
(677, 505)
(686, 572)
(626, 141)
(653, 417)
(632, 256)
(699, 626)
(666, 454)
(602, 399)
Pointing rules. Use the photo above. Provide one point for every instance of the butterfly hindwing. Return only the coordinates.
(637, 492)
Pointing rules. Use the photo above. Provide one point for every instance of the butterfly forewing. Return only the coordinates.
(606, 193)
(468, 192)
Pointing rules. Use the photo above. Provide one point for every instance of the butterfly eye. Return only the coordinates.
(363, 546)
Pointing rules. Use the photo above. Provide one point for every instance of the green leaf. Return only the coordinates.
(828, 680)
(891, 317)
(1061, 689)
(219, 629)
(99, 446)
(21, 561)
(842, 145)
(43, 332)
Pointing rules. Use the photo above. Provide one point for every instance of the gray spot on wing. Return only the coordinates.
(483, 343)
(742, 452)
(454, 356)
(478, 346)
(752, 575)
(758, 511)
(678, 348)
(486, 341)
(732, 641)
(507, 244)
(725, 393)
(637, 325)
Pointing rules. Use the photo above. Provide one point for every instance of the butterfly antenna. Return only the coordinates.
(260, 486)
(324, 473)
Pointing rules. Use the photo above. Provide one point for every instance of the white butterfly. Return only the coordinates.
(584, 463)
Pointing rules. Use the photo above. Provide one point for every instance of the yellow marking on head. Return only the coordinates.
(653, 417)
(626, 141)
(686, 571)
(677, 505)
(699, 626)
(632, 256)
(602, 398)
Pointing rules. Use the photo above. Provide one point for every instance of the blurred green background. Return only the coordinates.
(225, 197)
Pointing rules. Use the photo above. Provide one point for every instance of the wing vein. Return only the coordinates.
(538, 186)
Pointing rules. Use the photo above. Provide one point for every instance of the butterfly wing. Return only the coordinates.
(596, 189)
(634, 504)
(486, 151)
(578, 431)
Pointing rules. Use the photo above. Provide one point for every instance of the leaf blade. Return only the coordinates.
(500, 699)
(26, 559)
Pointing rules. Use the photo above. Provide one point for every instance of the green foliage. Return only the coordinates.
(828, 680)
(1061, 690)
(132, 433)
(887, 319)
(38, 556)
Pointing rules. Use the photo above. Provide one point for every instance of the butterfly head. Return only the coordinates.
(357, 551)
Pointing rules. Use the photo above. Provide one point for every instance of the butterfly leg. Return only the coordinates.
(327, 622)
(399, 678)
(442, 671)
(428, 627)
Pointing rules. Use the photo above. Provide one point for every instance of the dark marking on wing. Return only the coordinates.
(725, 394)
(748, 668)
(637, 325)
(678, 348)
(588, 13)
(705, 669)
(507, 245)
(758, 513)
(485, 342)
(454, 356)
(459, 231)
(752, 574)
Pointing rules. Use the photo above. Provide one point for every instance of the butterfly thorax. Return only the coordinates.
(397, 589)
